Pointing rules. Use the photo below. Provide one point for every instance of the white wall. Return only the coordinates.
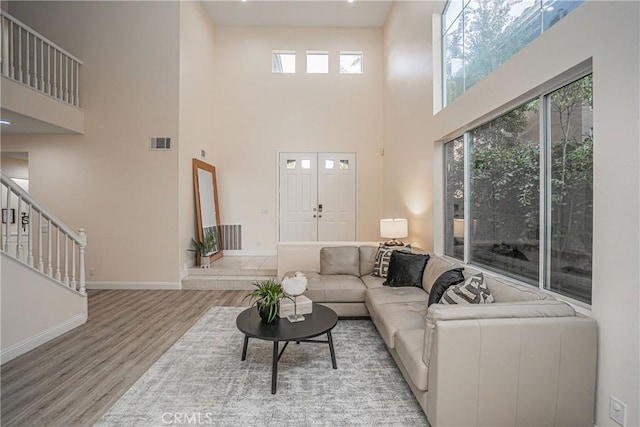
(606, 32)
(34, 308)
(196, 130)
(408, 119)
(107, 180)
(258, 114)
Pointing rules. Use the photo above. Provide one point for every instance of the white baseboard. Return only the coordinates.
(30, 343)
(134, 285)
(227, 252)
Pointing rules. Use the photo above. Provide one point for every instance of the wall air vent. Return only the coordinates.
(160, 144)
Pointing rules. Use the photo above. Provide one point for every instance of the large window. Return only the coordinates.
(480, 35)
(529, 204)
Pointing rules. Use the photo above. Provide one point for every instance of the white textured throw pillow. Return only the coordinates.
(473, 291)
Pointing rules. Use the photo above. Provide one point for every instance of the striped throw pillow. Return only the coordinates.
(473, 291)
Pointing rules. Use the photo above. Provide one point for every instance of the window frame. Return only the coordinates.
(544, 92)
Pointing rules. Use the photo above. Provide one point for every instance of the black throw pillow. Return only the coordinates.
(442, 283)
(406, 269)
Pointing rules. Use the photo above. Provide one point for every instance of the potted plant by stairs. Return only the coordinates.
(266, 296)
(204, 249)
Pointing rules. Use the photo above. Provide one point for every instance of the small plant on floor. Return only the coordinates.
(266, 296)
(207, 246)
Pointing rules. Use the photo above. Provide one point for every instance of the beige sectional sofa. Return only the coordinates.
(527, 359)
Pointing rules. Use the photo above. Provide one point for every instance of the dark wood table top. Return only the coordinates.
(319, 322)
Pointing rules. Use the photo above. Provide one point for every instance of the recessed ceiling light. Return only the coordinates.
(350, 1)
(5, 122)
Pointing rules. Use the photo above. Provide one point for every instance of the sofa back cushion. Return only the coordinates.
(435, 268)
(340, 260)
(367, 259)
(505, 291)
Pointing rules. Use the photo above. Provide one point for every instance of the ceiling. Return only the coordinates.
(299, 13)
(21, 124)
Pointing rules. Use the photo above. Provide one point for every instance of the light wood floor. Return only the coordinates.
(76, 378)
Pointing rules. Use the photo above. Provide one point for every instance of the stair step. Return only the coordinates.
(216, 272)
(222, 282)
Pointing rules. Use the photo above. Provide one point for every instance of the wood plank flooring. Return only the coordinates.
(75, 378)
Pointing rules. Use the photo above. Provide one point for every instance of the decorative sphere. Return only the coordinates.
(294, 286)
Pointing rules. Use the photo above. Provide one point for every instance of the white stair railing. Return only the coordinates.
(21, 214)
(31, 59)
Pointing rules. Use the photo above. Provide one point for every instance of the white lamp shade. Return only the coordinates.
(394, 228)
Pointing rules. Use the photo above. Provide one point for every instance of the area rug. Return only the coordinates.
(201, 380)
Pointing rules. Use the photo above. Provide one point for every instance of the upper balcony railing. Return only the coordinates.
(31, 59)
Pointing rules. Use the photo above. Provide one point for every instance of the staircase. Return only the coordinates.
(42, 273)
(232, 273)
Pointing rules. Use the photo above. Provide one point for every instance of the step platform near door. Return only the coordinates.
(232, 273)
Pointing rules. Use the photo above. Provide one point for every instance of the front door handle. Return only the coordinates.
(320, 207)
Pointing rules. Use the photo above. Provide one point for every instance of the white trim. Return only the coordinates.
(24, 346)
(134, 285)
(243, 252)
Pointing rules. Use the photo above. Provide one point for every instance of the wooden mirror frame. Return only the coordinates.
(197, 165)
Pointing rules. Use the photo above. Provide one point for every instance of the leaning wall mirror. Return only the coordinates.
(207, 213)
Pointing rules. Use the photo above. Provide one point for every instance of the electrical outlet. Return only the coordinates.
(92, 271)
(618, 411)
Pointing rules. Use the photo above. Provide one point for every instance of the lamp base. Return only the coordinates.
(393, 242)
(295, 318)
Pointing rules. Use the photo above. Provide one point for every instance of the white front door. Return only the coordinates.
(336, 196)
(317, 196)
(298, 197)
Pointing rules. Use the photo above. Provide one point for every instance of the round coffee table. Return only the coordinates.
(321, 321)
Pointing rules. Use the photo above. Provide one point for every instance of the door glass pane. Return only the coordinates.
(329, 164)
(291, 164)
(454, 216)
(344, 164)
(505, 175)
(571, 240)
(305, 164)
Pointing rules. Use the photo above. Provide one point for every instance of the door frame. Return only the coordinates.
(279, 152)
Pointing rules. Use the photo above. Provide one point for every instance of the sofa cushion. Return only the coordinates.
(340, 260)
(406, 269)
(374, 298)
(498, 310)
(446, 280)
(505, 291)
(334, 288)
(410, 347)
(371, 281)
(367, 259)
(434, 269)
(383, 255)
(392, 317)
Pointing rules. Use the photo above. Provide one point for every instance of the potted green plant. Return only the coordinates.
(205, 248)
(266, 296)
